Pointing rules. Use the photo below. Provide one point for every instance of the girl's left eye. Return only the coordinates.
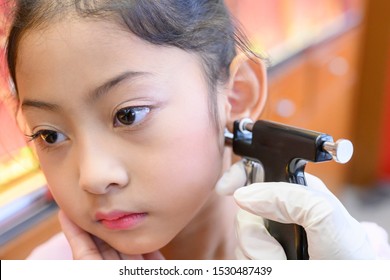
(130, 115)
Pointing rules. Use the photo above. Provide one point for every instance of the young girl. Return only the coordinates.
(127, 102)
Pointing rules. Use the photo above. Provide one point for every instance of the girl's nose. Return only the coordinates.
(101, 168)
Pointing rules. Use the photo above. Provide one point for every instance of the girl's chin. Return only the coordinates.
(131, 243)
(137, 249)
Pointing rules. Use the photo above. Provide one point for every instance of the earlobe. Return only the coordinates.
(247, 88)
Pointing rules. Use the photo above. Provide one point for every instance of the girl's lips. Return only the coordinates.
(119, 219)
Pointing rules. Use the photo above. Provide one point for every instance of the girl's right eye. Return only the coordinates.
(49, 137)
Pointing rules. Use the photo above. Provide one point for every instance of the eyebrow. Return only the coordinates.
(31, 103)
(111, 83)
(92, 96)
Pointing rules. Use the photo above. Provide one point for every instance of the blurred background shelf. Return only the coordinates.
(22, 204)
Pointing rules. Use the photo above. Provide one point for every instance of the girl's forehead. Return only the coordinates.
(86, 42)
(88, 52)
(88, 37)
(77, 30)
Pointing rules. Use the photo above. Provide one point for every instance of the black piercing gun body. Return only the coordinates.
(276, 152)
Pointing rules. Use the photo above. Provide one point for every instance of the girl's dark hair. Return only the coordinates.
(204, 27)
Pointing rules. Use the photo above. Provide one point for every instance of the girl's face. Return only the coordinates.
(123, 130)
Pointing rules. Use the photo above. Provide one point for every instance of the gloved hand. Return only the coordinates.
(332, 233)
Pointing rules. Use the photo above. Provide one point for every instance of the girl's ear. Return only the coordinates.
(247, 91)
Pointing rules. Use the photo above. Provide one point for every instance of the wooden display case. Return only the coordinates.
(38, 232)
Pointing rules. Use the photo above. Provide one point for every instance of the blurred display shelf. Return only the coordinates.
(281, 29)
(36, 231)
(23, 204)
(293, 47)
(16, 165)
(21, 187)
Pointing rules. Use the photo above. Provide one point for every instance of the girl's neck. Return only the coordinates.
(210, 235)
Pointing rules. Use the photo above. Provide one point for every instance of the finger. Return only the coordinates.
(156, 255)
(286, 203)
(255, 242)
(316, 183)
(83, 247)
(105, 250)
(232, 179)
(131, 257)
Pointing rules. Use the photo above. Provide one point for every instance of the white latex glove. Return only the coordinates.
(331, 231)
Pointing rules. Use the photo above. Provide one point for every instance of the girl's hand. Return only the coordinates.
(87, 247)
